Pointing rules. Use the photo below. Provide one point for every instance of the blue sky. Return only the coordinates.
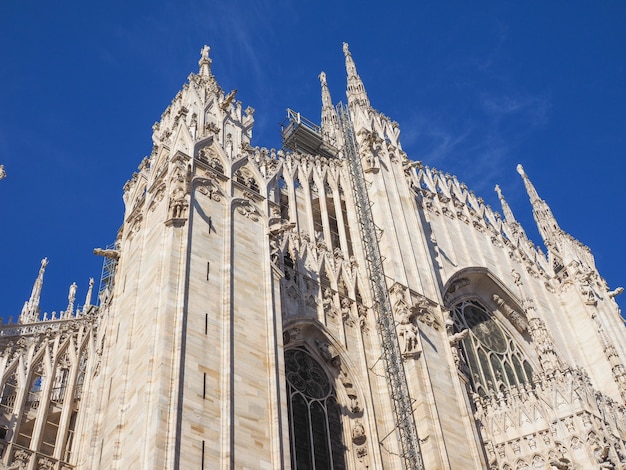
(477, 87)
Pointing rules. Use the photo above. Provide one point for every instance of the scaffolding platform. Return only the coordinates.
(302, 135)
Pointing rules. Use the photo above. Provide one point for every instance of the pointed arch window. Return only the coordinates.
(492, 355)
(315, 428)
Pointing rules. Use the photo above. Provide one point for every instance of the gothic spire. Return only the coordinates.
(530, 189)
(330, 121)
(88, 296)
(506, 210)
(71, 298)
(356, 91)
(326, 99)
(546, 223)
(205, 62)
(30, 311)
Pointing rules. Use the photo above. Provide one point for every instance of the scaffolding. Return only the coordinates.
(107, 277)
(302, 135)
(394, 367)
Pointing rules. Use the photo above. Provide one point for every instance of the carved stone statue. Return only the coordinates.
(178, 201)
(329, 304)
(409, 343)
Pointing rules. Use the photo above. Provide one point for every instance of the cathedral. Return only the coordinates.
(333, 304)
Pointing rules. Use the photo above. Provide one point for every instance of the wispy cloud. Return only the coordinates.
(535, 109)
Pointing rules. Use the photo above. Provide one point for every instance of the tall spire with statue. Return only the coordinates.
(563, 249)
(546, 223)
(30, 311)
(330, 120)
(508, 213)
(355, 92)
(205, 62)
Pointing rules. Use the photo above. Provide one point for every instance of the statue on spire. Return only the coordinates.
(508, 213)
(30, 311)
(71, 299)
(330, 120)
(506, 210)
(563, 249)
(205, 62)
(546, 223)
(356, 90)
(88, 296)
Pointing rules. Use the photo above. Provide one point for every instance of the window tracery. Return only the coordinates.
(315, 429)
(492, 355)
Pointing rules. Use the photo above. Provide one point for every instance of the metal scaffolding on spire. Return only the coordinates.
(394, 367)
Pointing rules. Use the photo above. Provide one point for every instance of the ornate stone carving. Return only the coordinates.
(178, 195)
(346, 311)
(208, 188)
(245, 208)
(362, 312)
(328, 303)
(424, 314)
(518, 320)
(407, 332)
(328, 353)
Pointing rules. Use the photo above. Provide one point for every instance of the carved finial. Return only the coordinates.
(30, 312)
(205, 61)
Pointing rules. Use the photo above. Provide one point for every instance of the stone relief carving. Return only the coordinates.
(424, 314)
(245, 208)
(209, 188)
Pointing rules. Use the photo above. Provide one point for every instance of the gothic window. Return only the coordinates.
(244, 177)
(492, 355)
(283, 198)
(344, 216)
(289, 267)
(318, 229)
(315, 428)
(332, 222)
(9, 392)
